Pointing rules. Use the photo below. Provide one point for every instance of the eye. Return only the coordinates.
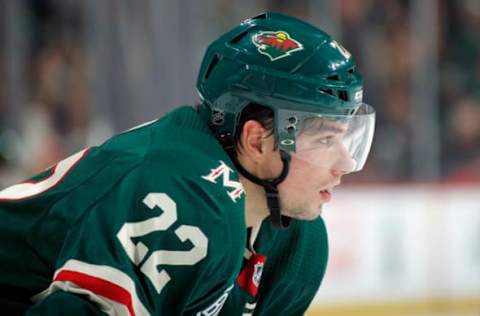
(326, 141)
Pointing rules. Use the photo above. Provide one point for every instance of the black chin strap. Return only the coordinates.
(270, 186)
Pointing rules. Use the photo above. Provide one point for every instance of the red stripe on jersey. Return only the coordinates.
(98, 286)
(52, 174)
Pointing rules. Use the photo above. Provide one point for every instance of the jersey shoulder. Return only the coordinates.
(207, 194)
(185, 157)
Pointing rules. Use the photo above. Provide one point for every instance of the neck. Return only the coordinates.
(256, 209)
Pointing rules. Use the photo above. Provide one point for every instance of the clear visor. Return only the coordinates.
(335, 142)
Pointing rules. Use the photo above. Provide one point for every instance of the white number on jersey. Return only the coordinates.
(216, 307)
(137, 252)
(29, 189)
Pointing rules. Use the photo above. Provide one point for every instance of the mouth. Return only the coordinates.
(326, 195)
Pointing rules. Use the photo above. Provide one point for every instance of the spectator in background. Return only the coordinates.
(56, 119)
(460, 85)
(377, 31)
(463, 147)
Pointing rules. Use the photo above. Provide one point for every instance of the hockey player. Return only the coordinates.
(208, 210)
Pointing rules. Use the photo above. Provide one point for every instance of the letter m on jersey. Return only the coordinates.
(234, 188)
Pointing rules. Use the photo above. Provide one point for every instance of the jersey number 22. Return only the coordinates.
(137, 252)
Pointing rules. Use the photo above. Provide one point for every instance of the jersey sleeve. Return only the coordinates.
(158, 243)
(64, 303)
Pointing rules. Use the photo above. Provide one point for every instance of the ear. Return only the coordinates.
(252, 140)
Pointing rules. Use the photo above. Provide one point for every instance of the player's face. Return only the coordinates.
(315, 169)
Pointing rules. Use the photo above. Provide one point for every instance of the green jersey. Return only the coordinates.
(150, 223)
(284, 269)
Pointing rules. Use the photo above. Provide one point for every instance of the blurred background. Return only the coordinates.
(404, 233)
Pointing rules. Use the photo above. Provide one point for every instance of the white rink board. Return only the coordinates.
(390, 243)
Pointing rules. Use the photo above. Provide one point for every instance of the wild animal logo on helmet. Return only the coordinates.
(275, 45)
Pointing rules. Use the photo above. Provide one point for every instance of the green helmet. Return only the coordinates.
(283, 63)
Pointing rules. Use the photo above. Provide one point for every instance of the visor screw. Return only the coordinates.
(291, 129)
(292, 120)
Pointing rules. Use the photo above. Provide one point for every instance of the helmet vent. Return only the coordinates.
(212, 65)
(334, 77)
(261, 16)
(343, 95)
(327, 91)
(237, 38)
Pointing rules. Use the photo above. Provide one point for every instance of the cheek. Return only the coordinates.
(299, 177)
(304, 176)
(304, 171)
(274, 166)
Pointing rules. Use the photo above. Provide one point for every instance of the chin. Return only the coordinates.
(308, 215)
(305, 213)
(312, 216)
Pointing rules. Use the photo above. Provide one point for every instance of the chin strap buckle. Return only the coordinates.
(278, 221)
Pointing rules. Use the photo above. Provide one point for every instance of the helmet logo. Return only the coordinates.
(275, 45)
(218, 117)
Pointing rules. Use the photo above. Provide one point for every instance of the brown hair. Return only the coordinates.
(253, 111)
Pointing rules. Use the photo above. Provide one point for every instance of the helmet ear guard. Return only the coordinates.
(289, 66)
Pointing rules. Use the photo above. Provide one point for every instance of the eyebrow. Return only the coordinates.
(330, 128)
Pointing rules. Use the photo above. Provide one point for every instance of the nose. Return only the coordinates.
(344, 164)
(338, 172)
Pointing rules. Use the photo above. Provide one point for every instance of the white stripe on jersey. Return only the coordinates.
(106, 276)
(109, 307)
(25, 190)
(249, 309)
